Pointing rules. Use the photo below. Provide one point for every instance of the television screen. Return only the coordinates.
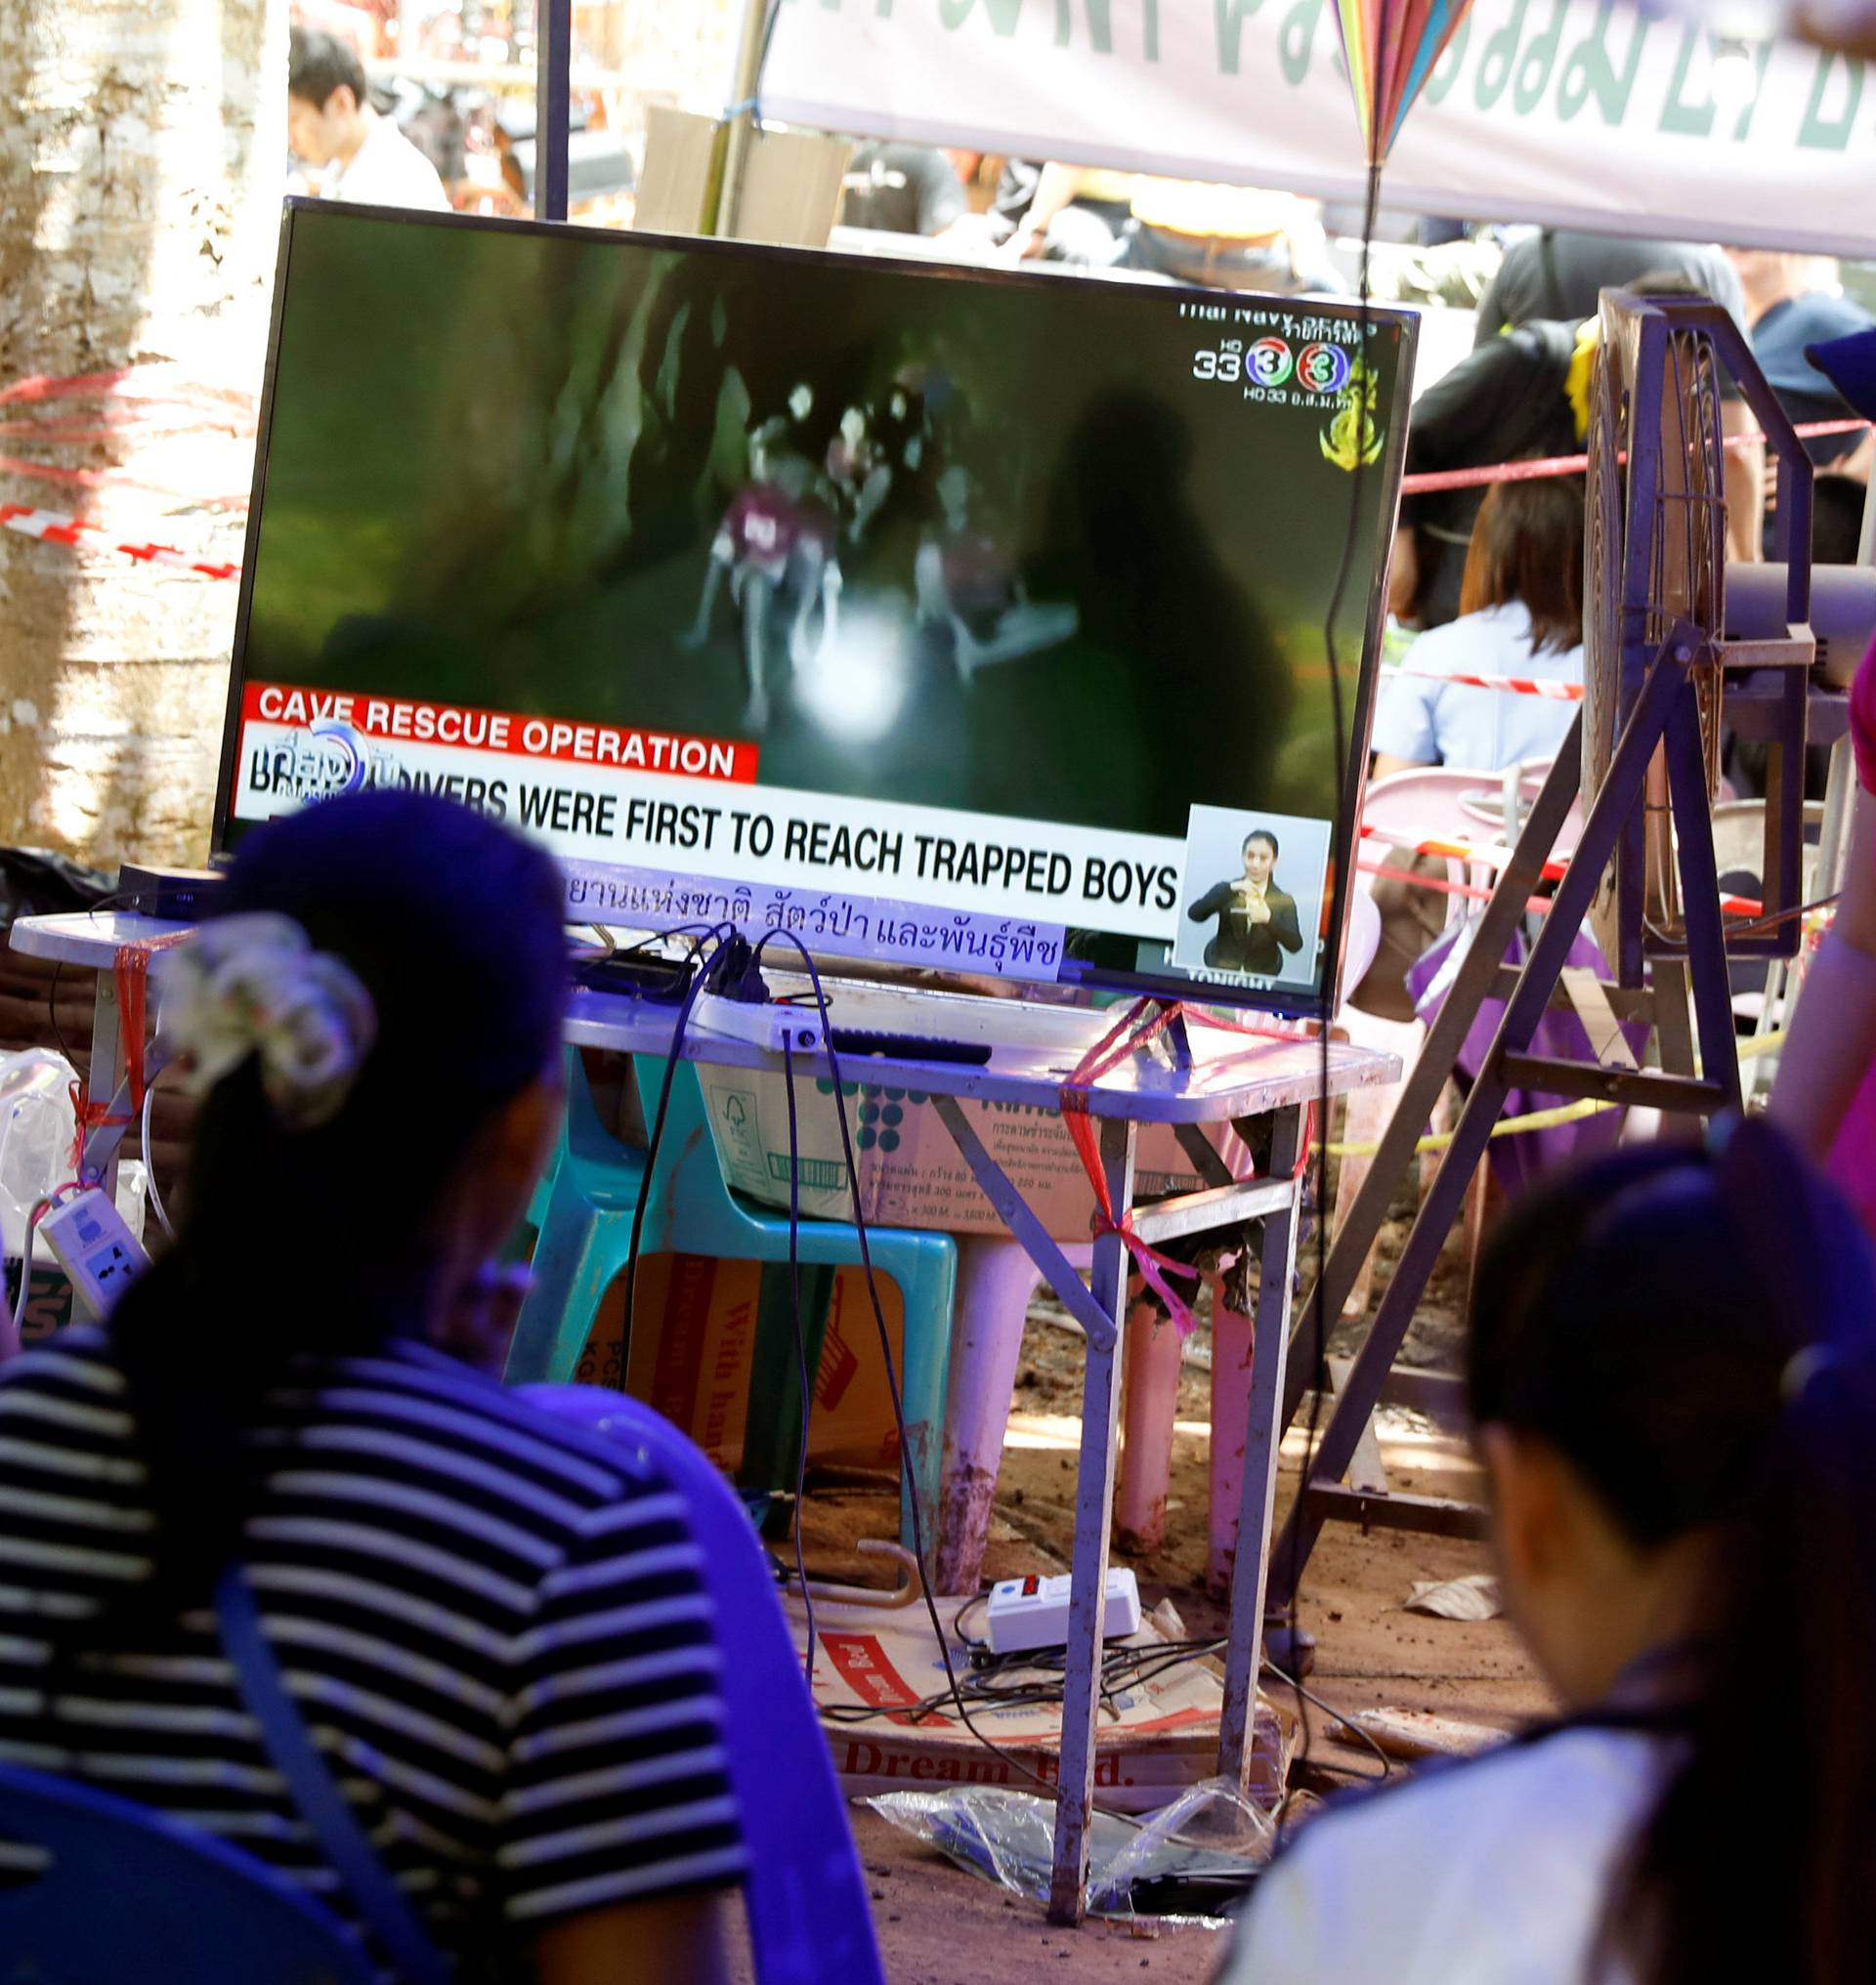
(972, 620)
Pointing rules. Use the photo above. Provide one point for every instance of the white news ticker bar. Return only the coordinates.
(587, 798)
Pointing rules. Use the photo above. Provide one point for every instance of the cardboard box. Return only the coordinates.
(911, 1173)
(790, 180)
(694, 1351)
(47, 1307)
(1154, 1741)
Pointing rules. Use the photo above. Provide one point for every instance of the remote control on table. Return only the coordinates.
(906, 1047)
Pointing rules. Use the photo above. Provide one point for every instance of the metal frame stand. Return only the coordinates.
(1665, 715)
(1099, 1307)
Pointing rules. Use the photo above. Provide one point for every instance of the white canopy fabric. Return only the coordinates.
(1570, 113)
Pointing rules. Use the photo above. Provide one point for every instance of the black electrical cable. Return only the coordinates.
(954, 1693)
(698, 979)
(1347, 1723)
(800, 1350)
(957, 1622)
(1040, 1677)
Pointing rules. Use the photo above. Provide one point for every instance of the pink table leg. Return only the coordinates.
(1233, 1340)
(996, 1280)
(1150, 1405)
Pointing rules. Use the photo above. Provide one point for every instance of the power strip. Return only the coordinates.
(1033, 1612)
(769, 1024)
(101, 1257)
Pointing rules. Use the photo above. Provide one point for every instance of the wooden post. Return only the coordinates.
(739, 127)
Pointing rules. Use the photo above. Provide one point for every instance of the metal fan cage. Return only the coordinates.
(1654, 553)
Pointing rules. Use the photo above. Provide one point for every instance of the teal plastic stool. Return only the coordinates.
(582, 1213)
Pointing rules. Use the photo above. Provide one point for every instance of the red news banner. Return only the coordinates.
(383, 721)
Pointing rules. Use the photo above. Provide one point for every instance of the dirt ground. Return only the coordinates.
(941, 1927)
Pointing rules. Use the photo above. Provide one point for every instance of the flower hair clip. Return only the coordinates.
(253, 985)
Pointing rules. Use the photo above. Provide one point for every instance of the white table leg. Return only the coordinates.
(1093, 1509)
(1264, 1438)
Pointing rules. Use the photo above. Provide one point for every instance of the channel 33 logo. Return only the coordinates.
(1324, 368)
(1269, 361)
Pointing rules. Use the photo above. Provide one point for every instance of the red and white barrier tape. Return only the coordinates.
(1428, 481)
(1558, 691)
(1492, 855)
(132, 407)
(53, 528)
(162, 384)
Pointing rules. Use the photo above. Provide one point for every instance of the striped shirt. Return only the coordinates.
(494, 1627)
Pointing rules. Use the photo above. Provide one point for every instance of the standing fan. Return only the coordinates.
(1643, 875)
(1654, 556)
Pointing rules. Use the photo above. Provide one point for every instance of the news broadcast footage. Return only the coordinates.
(798, 571)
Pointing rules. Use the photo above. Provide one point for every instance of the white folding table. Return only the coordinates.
(1214, 1078)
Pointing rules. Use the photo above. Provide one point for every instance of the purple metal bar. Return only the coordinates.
(1503, 918)
(1706, 966)
(553, 106)
(1620, 798)
(1100, 1324)
(1430, 1515)
(1263, 1437)
(1202, 1153)
(1093, 1505)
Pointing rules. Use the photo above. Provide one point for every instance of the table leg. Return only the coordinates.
(106, 1058)
(1264, 1438)
(995, 1281)
(1094, 1507)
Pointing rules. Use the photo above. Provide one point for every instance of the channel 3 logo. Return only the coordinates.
(339, 756)
(1324, 368)
(1269, 361)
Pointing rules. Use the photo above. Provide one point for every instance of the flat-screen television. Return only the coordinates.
(974, 620)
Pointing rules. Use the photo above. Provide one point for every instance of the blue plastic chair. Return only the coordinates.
(806, 1895)
(584, 1212)
(127, 1892)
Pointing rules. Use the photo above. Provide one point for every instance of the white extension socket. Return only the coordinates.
(772, 1023)
(1033, 1612)
(101, 1257)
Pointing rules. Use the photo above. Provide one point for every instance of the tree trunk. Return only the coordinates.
(142, 154)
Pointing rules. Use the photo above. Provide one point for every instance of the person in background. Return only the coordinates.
(1521, 615)
(1673, 1394)
(1559, 275)
(359, 155)
(1792, 303)
(902, 189)
(1837, 504)
(1074, 214)
(1231, 237)
(494, 1627)
(1010, 198)
(1527, 394)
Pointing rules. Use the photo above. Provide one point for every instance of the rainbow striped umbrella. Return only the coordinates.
(1391, 47)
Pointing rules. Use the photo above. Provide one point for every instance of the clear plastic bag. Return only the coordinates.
(1192, 1860)
(38, 1132)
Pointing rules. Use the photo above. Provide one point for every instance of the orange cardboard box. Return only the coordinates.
(693, 1352)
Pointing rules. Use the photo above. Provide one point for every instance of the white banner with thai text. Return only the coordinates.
(1571, 112)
